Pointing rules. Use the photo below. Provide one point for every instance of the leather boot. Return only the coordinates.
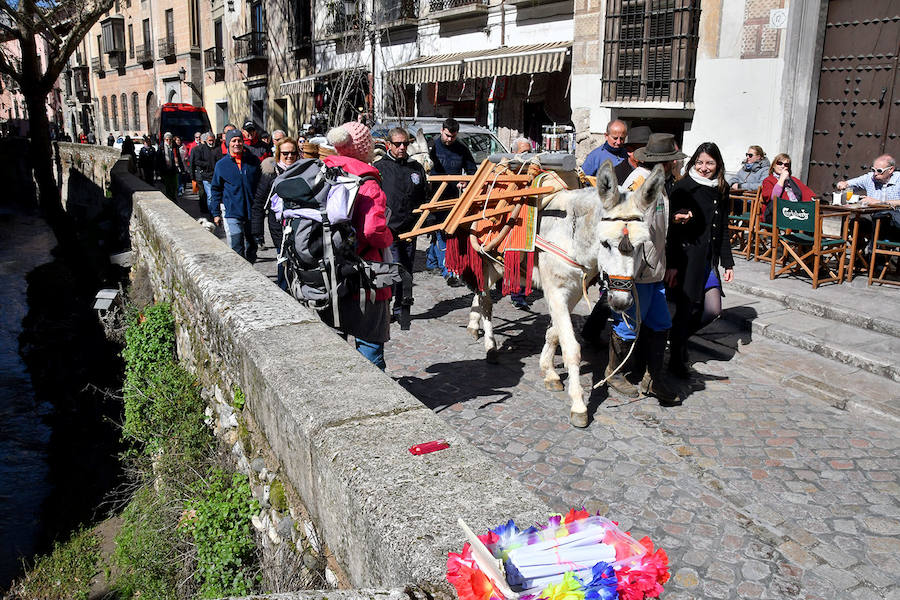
(678, 360)
(618, 350)
(654, 383)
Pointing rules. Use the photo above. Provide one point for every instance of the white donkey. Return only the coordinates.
(595, 231)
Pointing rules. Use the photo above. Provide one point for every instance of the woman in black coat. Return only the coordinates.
(696, 245)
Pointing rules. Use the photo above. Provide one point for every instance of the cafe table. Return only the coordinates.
(852, 214)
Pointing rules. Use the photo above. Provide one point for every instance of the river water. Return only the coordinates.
(24, 435)
(59, 383)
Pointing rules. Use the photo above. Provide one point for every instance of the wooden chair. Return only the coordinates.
(797, 231)
(742, 220)
(762, 235)
(888, 249)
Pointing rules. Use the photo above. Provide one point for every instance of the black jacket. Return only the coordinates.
(162, 168)
(405, 185)
(703, 241)
(203, 161)
(269, 170)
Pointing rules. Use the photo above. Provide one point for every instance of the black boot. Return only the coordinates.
(618, 350)
(678, 358)
(654, 383)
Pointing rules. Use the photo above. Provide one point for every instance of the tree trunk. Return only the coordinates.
(49, 199)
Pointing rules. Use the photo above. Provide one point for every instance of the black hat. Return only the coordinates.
(638, 136)
(249, 126)
(660, 148)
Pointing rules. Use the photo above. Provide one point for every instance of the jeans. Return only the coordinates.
(237, 232)
(403, 252)
(374, 352)
(434, 258)
(654, 311)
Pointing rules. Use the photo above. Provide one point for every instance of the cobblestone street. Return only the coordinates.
(755, 490)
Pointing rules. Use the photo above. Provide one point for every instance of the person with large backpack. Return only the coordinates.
(368, 322)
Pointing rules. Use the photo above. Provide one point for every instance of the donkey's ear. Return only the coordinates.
(421, 141)
(607, 185)
(655, 186)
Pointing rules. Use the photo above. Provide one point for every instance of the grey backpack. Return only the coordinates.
(315, 204)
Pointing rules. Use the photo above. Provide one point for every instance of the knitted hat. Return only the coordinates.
(233, 134)
(352, 139)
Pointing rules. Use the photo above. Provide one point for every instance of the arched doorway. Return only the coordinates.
(173, 96)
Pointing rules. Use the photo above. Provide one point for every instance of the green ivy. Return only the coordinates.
(220, 524)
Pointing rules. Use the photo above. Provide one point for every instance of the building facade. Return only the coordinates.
(144, 53)
(813, 78)
(13, 110)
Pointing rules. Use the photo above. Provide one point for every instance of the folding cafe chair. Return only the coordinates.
(797, 232)
(882, 247)
(743, 220)
(762, 234)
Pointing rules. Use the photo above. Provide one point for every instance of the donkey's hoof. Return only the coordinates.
(473, 331)
(492, 356)
(554, 385)
(578, 419)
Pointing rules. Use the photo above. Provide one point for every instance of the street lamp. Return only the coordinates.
(182, 75)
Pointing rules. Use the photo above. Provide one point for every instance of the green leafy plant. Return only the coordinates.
(277, 498)
(219, 522)
(239, 399)
(65, 572)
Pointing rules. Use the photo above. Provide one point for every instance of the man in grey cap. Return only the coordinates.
(233, 186)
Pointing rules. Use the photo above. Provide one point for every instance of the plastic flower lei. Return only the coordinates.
(573, 557)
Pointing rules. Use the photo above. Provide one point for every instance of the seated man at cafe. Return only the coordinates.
(882, 186)
(882, 183)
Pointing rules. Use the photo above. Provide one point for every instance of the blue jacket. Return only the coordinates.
(600, 155)
(454, 159)
(234, 188)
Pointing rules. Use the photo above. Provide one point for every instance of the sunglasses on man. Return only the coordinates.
(879, 171)
(404, 143)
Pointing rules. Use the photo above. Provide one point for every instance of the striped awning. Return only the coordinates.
(305, 85)
(508, 60)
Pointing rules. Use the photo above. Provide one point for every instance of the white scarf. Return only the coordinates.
(701, 179)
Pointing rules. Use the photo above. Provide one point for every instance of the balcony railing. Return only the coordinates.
(251, 46)
(387, 12)
(143, 54)
(457, 6)
(214, 59)
(167, 47)
(344, 24)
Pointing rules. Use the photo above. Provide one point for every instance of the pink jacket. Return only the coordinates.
(369, 220)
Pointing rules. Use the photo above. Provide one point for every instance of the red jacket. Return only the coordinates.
(768, 185)
(372, 233)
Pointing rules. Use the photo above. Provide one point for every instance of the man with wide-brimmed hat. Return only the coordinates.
(637, 138)
(649, 356)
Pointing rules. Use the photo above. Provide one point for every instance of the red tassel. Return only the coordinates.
(511, 262)
(452, 258)
(475, 266)
(529, 271)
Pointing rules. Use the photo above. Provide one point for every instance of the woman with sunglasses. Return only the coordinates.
(781, 184)
(287, 151)
(753, 170)
(697, 243)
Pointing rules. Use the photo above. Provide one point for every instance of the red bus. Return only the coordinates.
(182, 120)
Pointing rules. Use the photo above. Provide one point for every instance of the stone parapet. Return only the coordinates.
(340, 427)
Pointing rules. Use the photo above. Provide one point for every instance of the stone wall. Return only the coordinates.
(339, 427)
